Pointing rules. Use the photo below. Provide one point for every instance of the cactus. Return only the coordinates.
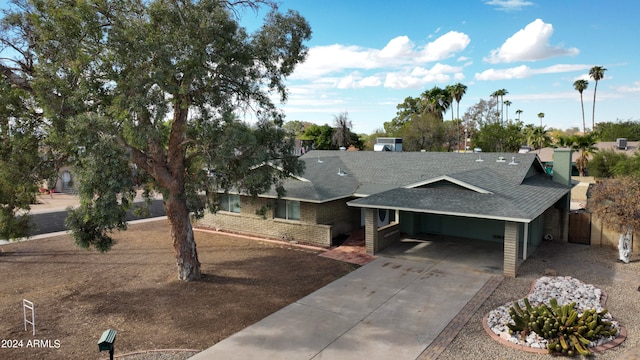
(568, 332)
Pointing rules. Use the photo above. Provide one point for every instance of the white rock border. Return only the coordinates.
(565, 289)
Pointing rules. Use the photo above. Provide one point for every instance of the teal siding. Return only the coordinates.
(481, 229)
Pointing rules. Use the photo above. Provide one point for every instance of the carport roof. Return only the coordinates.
(521, 204)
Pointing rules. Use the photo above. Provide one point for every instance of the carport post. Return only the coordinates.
(526, 239)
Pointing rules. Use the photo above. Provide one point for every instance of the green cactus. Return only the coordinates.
(568, 332)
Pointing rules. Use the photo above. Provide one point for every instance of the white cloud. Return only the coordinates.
(400, 51)
(529, 44)
(444, 46)
(509, 5)
(634, 88)
(523, 71)
(399, 80)
(401, 46)
(355, 81)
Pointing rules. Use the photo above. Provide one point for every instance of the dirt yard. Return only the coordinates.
(134, 289)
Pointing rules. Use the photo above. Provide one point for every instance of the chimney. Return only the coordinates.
(562, 166)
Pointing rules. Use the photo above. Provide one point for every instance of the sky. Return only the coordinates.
(366, 57)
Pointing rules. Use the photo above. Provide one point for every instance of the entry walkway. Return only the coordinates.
(391, 308)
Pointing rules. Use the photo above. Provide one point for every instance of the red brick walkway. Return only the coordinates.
(352, 250)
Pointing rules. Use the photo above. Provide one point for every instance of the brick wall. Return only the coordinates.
(342, 218)
(511, 247)
(376, 239)
(318, 223)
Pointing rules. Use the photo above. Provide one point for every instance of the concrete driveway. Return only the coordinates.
(391, 308)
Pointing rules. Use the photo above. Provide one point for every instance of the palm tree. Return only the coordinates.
(496, 94)
(507, 103)
(541, 115)
(581, 85)
(586, 145)
(538, 137)
(435, 101)
(518, 112)
(500, 93)
(596, 73)
(457, 91)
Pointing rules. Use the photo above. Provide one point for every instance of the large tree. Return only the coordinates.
(586, 145)
(342, 132)
(457, 91)
(581, 85)
(615, 203)
(497, 138)
(23, 164)
(149, 92)
(597, 74)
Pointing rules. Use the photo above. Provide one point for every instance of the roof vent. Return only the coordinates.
(342, 172)
(320, 161)
(501, 159)
(513, 161)
(479, 159)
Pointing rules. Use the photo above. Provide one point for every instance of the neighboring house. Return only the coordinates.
(506, 198)
(546, 154)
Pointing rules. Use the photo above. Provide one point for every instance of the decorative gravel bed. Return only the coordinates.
(566, 290)
(590, 264)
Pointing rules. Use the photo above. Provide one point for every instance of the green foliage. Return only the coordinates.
(629, 166)
(423, 132)
(22, 167)
(610, 131)
(569, 333)
(603, 163)
(537, 136)
(322, 136)
(158, 85)
(497, 138)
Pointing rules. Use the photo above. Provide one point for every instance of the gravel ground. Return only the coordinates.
(590, 264)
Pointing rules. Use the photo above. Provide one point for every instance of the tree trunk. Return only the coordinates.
(183, 240)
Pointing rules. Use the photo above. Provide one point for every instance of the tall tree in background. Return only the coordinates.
(457, 91)
(507, 103)
(496, 95)
(541, 116)
(500, 94)
(405, 111)
(151, 88)
(581, 85)
(435, 101)
(342, 132)
(586, 145)
(519, 112)
(597, 74)
(537, 136)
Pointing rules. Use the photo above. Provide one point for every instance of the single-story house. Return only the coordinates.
(500, 197)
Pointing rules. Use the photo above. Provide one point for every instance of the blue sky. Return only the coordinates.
(365, 57)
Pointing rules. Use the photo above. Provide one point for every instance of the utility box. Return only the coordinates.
(621, 143)
(106, 342)
(388, 144)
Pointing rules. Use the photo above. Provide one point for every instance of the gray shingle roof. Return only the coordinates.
(521, 191)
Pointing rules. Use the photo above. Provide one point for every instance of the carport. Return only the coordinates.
(455, 215)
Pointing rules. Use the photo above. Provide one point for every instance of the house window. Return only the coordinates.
(230, 203)
(287, 209)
